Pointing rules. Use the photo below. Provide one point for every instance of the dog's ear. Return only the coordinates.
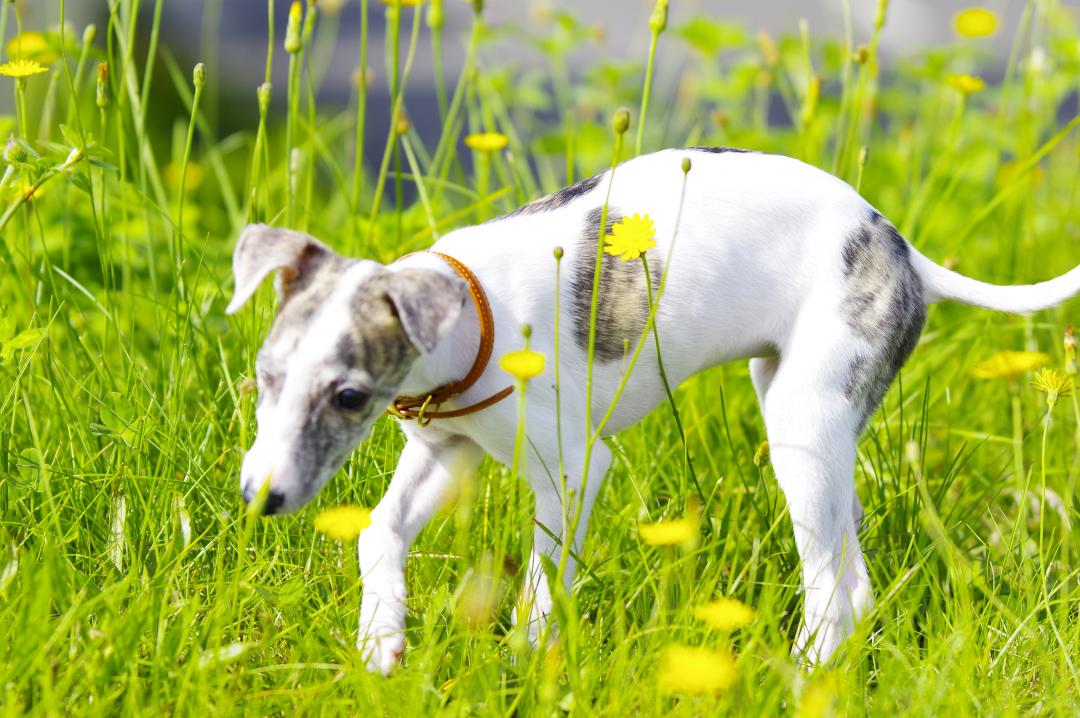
(426, 303)
(262, 250)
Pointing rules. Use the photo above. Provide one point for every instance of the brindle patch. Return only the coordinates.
(884, 305)
(308, 290)
(722, 150)
(561, 198)
(623, 306)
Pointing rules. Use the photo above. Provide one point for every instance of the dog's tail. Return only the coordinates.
(940, 283)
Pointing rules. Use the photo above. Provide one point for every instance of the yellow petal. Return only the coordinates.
(965, 84)
(725, 614)
(344, 522)
(669, 533)
(523, 364)
(685, 669)
(1008, 363)
(975, 22)
(32, 46)
(486, 141)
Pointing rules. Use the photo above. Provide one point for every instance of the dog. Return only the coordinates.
(762, 257)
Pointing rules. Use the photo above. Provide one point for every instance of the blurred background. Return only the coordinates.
(230, 36)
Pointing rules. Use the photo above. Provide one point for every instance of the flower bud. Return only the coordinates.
(526, 331)
(558, 254)
(198, 76)
(309, 22)
(292, 30)
(1071, 364)
(89, 33)
(686, 165)
(879, 19)
(264, 96)
(402, 124)
(74, 156)
(621, 121)
(864, 155)
(435, 17)
(102, 98)
(861, 55)
(14, 152)
(478, 7)
(658, 19)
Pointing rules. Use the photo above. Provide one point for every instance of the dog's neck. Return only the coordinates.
(454, 354)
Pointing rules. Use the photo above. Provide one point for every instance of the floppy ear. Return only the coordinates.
(427, 304)
(261, 250)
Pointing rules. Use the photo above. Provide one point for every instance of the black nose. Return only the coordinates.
(274, 500)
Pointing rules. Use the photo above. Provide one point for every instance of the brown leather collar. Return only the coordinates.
(425, 408)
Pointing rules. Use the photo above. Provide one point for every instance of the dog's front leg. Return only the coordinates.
(551, 520)
(428, 467)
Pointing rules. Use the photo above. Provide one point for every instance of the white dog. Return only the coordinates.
(771, 260)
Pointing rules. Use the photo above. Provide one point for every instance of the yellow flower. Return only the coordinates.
(523, 364)
(672, 532)
(486, 141)
(818, 698)
(32, 46)
(1054, 383)
(975, 22)
(696, 670)
(725, 614)
(630, 237)
(965, 84)
(21, 68)
(344, 522)
(192, 181)
(1005, 364)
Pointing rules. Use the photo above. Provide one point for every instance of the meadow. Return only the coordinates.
(132, 579)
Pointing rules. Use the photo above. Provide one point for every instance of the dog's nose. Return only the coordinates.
(274, 500)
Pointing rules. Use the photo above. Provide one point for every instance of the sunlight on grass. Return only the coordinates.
(134, 582)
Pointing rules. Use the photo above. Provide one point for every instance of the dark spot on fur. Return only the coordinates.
(721, 150)
(561, 198)
(623, 306)
(884, 305)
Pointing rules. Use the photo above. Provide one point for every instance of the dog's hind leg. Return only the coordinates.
(813, 428)
(428, 468)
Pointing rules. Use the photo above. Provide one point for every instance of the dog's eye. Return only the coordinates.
(350, 399)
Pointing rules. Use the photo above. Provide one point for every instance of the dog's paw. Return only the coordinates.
(382, 652)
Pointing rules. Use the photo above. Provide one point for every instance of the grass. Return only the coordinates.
(133, 582)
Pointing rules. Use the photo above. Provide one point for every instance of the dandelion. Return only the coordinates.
(817, 700)
(975, 22)
(630, 237)
(966, 84)
(486, 141)
(523, 364)
(32, 46)
(344, 522)
(696, 670)
(21, 69)
(1054, 383)
(1008, 363)
(725, 614)
(671, 532)
(173, 176)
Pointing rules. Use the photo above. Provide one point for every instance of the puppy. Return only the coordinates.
(763, 257)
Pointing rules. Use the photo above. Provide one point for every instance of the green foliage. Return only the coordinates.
(133, 582)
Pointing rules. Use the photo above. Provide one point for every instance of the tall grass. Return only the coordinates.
(131, 579)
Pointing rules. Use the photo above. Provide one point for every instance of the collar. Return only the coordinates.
(420, 407)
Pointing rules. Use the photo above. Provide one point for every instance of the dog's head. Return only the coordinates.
(346, 333)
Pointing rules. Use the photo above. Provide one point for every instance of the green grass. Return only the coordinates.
(131, 580)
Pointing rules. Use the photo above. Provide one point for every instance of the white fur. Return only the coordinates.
(755, 272)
